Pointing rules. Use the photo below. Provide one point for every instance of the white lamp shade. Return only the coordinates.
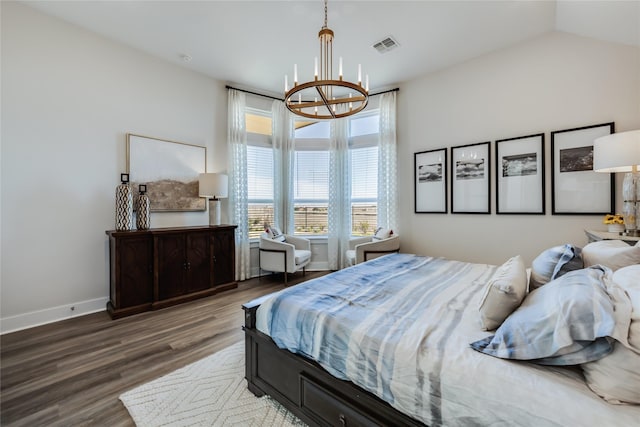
(213, 185)
(618, 152)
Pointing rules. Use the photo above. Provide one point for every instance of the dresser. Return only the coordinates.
(156, 268)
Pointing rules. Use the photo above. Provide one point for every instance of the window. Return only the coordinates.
(311, 174)
(311, 178)
(363, 153)
(364, 190)
(259, 172)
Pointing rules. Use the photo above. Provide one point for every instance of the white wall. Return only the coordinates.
(555, 82)
(68, 99)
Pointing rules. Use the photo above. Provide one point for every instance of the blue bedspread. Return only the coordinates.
(400, 327)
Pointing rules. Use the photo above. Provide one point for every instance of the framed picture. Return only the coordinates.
(430, 186)
(520, 175)
(576, 188)
(169, 169)
(470, 179)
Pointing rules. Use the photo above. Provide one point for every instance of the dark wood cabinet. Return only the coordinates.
(160, 267)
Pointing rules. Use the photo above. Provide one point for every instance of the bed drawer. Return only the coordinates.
(328, 408)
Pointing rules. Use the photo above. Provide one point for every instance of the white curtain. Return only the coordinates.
(339, 211)
(283, 158)
(237, 169)
(387, 164)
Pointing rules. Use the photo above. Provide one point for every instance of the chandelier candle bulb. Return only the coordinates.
(366, 85)
(360, 74)
(286, 83)
(295, 74)
(340, 68)
(315, 68)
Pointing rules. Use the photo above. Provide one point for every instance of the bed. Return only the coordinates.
(335, 353)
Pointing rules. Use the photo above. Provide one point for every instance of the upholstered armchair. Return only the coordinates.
(363, 249)
(283, 253)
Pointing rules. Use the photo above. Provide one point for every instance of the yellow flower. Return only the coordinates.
(613, 219)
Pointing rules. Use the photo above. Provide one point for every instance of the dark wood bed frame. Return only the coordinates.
(306, 389)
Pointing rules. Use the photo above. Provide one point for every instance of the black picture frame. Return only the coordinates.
(576, 189)
(520, 172)
(430, 181)
(471, 178)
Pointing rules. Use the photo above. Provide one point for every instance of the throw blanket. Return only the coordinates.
(400, 327)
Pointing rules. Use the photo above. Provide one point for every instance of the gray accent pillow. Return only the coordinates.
(566, 322)
(553, 263)
(503, 293)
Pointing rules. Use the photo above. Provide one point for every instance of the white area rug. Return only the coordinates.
(210, 392)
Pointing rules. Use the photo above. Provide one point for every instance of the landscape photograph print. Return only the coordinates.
(520, 165)
(169, 169)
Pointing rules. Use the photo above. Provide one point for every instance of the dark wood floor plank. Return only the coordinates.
(70, 373)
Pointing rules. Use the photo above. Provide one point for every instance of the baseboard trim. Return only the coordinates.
(50, 315)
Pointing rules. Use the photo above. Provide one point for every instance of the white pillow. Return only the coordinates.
(276, 234)
(615, 377)
(614, 254)
(503, 293)
(628, 278)
(382, 233)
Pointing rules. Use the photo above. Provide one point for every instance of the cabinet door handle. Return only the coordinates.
(188, 266)
(343, 420)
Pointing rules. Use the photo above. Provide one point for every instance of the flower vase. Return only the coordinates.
(124, 204)
(143, 216)
(615, 228)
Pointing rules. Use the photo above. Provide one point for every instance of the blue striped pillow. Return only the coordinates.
(553, 263)
(568, 321)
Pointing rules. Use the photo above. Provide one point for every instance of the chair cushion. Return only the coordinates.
(382, 233)
(302, 256)
(275, 234)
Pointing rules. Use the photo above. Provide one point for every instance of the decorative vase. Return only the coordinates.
(124, 204)
(143, 217)
(615, 228)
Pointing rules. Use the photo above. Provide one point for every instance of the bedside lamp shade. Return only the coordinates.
(213, 186)
(618, 152)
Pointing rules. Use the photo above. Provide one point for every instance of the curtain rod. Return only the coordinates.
(280, 99)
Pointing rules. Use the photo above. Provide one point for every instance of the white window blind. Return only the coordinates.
(259, 188)
(311, 176)
(364, 174)
(260, 173)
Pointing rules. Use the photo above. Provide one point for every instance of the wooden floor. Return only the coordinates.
(70, 373)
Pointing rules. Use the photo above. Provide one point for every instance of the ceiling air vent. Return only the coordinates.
(386, 45)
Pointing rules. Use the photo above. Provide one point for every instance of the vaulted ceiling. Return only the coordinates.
(253, 44)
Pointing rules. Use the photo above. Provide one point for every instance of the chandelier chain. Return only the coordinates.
(325, 13)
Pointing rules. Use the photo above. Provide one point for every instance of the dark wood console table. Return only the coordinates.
(159, 267)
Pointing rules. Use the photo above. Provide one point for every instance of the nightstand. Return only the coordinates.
(595, 236)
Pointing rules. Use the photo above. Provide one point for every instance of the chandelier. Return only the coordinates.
(332, 99)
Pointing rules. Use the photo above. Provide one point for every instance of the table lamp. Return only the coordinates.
(620, 152)
(213, 186)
